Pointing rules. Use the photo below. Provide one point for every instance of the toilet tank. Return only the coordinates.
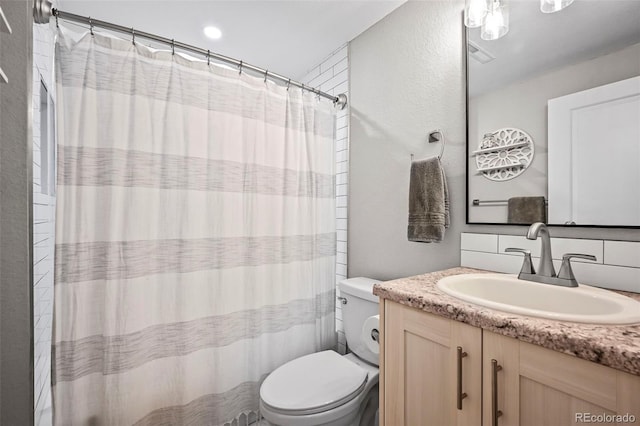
(360, 304)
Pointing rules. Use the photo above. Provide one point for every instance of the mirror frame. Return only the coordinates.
(466, 162)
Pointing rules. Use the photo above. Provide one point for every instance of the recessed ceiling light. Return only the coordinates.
(212, 32)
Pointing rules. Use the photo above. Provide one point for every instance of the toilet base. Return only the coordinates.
(369, 409)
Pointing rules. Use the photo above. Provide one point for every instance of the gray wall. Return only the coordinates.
(16, 328)
(406, 79)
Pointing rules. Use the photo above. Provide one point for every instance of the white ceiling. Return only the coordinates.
(538, 42)
(286, 37)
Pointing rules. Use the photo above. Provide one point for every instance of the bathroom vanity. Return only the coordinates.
(447, 362)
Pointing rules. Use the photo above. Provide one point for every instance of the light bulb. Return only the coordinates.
(212, 32)
(474, 12)
(496, 23)
(551, 6)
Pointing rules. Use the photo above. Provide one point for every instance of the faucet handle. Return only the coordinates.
(566, 273)
(527, 265)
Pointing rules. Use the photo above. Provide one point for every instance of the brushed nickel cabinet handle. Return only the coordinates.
(461, 395)
(495, 413)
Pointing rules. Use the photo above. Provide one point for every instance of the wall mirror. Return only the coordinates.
(554, 117)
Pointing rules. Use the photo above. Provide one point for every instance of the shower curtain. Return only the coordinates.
(195, 235)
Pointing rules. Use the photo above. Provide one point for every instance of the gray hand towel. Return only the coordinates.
(526, 210)
(428, 201)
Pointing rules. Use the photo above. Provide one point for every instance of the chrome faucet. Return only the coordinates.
(545, 268)
(546, 272)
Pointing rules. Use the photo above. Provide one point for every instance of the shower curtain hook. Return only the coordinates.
(240, 67)
(91, 26)
(133, 36)
(208, 57)
(57, 26)
(288, 84)
(173, 46)
(266, 72)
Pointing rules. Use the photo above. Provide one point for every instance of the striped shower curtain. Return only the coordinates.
(195, 235)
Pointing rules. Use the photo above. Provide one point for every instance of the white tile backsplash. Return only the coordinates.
(608, 276)
(618, 265)
(331, 76)
(479, 242)
(506, 241)
(623, 253)
(560, 246)
(491, 261)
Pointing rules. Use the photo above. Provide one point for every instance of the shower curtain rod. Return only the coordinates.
(43, 11)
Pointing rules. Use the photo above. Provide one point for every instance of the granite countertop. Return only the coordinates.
(616, 346)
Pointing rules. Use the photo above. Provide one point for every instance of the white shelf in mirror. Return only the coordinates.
(508, 158)
(499, 148)
(504, 167)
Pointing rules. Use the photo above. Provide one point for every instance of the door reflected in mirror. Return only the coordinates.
(570, 90)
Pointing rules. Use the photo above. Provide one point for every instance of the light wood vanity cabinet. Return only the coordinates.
(529, 385)
(421, 363)
(538, 386)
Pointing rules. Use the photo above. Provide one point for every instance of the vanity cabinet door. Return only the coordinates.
(535, 386)
(500, 380)
(421, 367)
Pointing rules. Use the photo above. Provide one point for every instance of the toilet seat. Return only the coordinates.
(313, 384)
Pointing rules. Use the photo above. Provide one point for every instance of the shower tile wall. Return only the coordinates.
(43, 219)
(332, 76)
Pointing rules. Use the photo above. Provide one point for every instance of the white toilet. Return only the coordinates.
(326, 388)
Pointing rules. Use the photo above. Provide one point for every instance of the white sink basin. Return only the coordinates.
(509, 294)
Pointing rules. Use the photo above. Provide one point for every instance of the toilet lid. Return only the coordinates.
(313, 383)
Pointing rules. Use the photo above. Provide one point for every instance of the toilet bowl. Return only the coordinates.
(326, 388)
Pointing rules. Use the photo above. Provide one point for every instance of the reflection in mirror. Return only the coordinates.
(554, 117)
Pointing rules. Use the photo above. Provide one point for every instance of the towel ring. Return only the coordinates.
(436, 136)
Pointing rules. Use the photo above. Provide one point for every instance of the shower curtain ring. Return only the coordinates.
(91, 25)
(288, 84)
(173, 46)
(265, 75)
(208, 57)
(57, 26)
(240, 68)
(133, 36)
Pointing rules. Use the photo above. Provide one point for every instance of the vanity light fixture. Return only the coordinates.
(493, 15)
(474, 12)
(496, 23)
(551, 6)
